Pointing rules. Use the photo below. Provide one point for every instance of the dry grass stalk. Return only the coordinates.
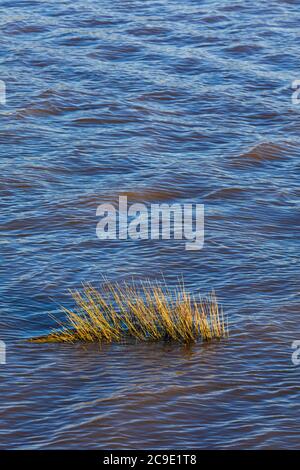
(145, 312)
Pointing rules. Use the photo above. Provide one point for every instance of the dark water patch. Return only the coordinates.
(79, 41)
(212, 19)
(102, 22)
(112, 52)
(148, 31)
(244, 49)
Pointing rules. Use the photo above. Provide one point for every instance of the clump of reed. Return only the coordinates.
(146, 312)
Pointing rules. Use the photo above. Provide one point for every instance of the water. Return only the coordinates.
(174, 101)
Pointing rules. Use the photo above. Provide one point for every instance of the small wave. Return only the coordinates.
(146, 195)
(46, 110)
(214, 19)
(226, 193)
(149, 31)
(167, 95)
(87, 121)
(21, 27)
(263, 153)
(151, 195)
(11, 184)
(244, 49)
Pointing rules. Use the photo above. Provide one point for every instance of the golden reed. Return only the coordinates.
(148, 311)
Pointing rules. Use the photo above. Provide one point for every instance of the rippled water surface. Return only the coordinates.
(166, 101)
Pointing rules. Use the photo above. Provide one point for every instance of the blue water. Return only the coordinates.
(166, 101)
